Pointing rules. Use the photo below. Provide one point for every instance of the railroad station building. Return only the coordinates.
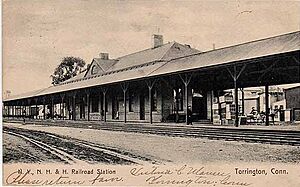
(159, 83)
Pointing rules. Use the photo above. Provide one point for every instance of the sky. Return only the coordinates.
(38, 34)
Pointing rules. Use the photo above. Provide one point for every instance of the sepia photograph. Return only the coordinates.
(150, 93)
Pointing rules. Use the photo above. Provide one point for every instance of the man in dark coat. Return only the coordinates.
(189, 116)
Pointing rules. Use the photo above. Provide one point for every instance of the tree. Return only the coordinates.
(68, 68)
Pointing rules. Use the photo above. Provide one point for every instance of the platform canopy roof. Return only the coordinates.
(174, 58)
(250, 50)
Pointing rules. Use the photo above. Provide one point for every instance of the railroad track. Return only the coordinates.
(286, 137)
(247, 135)
(113, 152)
(67, 158)
(67, 155)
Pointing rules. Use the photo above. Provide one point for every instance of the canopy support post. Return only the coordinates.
(74, 107)
(150, 84)
(52, 107)
(243, 101)
(235, 76)
(88, 103)
(29, 108)
(62, 110)
(36, 108)
(236, 97)
(267, 104)
(186, 81)
(104, 90)
(124, 87)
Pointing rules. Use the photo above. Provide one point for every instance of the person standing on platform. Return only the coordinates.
(102, 115)
(189, 116)
(71, 115)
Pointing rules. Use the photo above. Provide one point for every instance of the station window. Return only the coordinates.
(178, 99)
(276, 109)
(232, 108)
(130, 101)
(95, 70)
(154, 100)
(95, 104)
(106, 105)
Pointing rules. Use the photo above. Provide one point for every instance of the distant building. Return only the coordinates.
(280, 112)
(292, 96)
(251, 98)
(275, 94)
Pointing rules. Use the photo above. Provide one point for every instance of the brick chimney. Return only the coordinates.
(104, 56)
(157, 40)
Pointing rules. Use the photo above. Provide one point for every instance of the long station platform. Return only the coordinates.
(291, 126)
(288, 134)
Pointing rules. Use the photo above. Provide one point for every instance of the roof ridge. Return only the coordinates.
(187, 55)
(109, 69)
(98, 66)
(173, 43)
(114, 60)
(167, 61)
(144, 50)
